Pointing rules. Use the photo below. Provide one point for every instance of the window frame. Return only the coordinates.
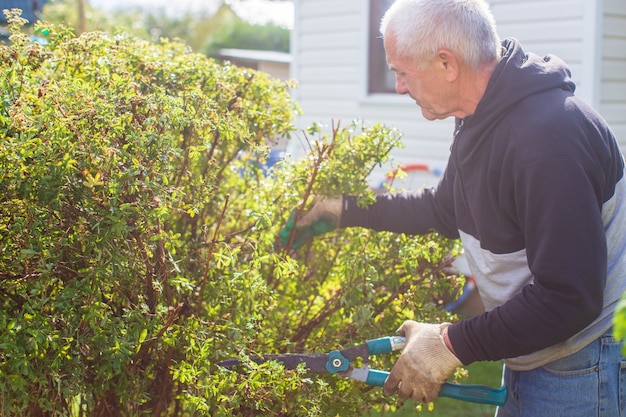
(380, 80)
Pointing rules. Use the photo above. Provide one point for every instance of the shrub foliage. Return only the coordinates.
(138, 233)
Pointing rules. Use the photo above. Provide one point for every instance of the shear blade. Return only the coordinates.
(314, 363)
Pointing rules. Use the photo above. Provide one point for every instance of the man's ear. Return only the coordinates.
(449, 63)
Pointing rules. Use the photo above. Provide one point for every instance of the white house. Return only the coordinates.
(274, 63)
(339, 63)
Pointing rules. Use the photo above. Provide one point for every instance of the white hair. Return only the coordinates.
(422, 27)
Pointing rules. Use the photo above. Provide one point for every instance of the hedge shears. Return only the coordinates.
(340, 362)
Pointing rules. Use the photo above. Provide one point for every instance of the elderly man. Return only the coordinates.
(535, 189)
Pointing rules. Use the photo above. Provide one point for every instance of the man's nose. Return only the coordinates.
(401, 87)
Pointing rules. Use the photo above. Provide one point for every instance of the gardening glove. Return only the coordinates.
(424, 365)
(323, 217)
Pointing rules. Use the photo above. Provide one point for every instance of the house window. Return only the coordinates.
(380, 79)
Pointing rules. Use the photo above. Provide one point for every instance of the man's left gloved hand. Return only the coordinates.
(424, 365)
(324, 216)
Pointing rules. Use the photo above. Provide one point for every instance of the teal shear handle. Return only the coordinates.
(473, 393)
(386, 344)
(464, 392)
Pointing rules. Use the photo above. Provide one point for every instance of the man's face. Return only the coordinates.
(429, 87)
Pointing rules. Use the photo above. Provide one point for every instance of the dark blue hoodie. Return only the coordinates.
(535, 189)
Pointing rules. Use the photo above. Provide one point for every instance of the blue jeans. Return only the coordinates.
(589, 383)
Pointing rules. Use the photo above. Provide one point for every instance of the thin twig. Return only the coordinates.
(210, 254)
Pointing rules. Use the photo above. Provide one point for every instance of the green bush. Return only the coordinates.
(138, 238)
(619, 321)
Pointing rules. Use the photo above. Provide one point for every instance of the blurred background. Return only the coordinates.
(204, 25)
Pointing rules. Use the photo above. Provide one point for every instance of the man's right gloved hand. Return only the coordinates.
(323, 217)
(425, 363)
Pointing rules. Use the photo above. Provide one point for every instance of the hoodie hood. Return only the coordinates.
(517, 76)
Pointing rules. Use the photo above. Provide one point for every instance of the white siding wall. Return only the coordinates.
(547, 27)
(329, 44)
(613, 73)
